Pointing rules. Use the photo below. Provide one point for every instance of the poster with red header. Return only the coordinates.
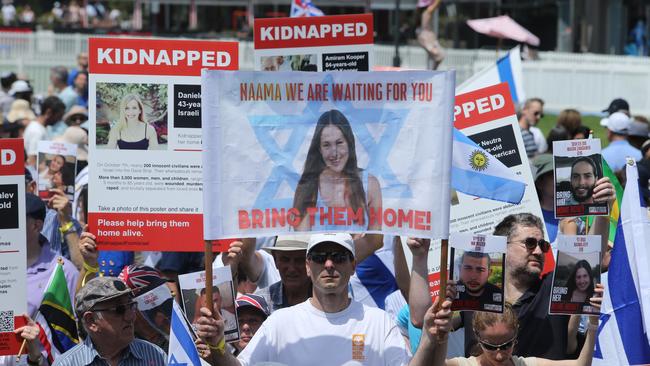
(325, 43)
(145, 140)
(487, 117)
(13, 256)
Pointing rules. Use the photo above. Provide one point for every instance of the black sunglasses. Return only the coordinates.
(336, 257)
(121, 309)
(498, 347)
(531, 243)
(541, 115)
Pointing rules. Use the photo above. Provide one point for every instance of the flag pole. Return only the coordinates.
(444, 248)
(208, 275)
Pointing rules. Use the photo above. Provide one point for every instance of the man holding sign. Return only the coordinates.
(296, 335)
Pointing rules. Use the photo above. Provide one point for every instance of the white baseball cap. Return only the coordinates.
(342, 239)
(618, 122)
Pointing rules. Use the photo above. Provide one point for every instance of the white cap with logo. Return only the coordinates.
(343, 239)
(618, 122)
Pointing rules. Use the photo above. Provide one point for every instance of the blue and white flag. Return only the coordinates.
(304, 8)
(476, 172)
(182, 350)
(625, 312)
(507, 69)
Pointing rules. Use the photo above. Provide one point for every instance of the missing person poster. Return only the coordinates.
(223, 298)
(57, 167)
(577, 166)
(487, 117)
(13, 256)
(155, 306)
(477, 265)
(326, 152)
(145, 141)
(324, 43)
(576, 274)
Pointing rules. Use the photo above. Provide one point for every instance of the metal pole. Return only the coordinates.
(396, 59)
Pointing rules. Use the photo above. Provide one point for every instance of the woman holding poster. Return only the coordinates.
(580, 285)
(331, 179)
(132, 131)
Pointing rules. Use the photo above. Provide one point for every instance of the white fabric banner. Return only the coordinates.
(326, 152)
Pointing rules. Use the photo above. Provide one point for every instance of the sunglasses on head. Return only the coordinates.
(120, 309)
(336, 257)
(498, 347)
(532, 243)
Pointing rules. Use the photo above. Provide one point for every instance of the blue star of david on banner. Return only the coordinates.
(598, 352)
(299, 125)
(174, 362)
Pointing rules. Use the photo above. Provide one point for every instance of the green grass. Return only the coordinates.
(593, 122)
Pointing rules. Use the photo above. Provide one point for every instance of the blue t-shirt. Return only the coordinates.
(404, 322)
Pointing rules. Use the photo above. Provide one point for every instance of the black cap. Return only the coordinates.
(616, 105)
(35, 207)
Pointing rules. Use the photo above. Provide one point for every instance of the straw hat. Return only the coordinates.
(20, 110)
(77, 136)
(76, 110)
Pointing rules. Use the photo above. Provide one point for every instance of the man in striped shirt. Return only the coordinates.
(529, 139)
(106, 312)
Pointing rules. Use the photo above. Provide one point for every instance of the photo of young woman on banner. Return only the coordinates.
(576, 274)
(326, 152)
(331, 177)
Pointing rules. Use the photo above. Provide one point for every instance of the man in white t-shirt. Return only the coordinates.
(52, 110)
(329, 328)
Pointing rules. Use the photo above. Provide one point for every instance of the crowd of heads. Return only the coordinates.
(319, 267)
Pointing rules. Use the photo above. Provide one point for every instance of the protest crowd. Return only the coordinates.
(329, 298)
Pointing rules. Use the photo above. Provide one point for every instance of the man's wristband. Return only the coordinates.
(220, 347)
(90, 269)
(66, 228)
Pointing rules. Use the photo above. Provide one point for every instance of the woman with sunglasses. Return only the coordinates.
(497, 336)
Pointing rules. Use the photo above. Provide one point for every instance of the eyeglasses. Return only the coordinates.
(498, 347)
(532, 243)
(121, 309)
(253, 322)
(336, 257)
(539, 114)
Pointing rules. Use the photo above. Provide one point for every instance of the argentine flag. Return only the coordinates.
(506, 70)
(476, 172)
(625, 312)
(181, 345)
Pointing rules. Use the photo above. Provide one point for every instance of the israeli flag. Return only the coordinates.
(625, 312)
(476, 172)
(181, 344)
(304, 8)
(506, 70)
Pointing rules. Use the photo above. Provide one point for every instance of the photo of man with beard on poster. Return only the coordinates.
(583, 180)
(578, 170)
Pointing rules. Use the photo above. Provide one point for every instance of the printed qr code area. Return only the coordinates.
(6, 321)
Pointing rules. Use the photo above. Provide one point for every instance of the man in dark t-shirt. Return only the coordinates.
(540, 334)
